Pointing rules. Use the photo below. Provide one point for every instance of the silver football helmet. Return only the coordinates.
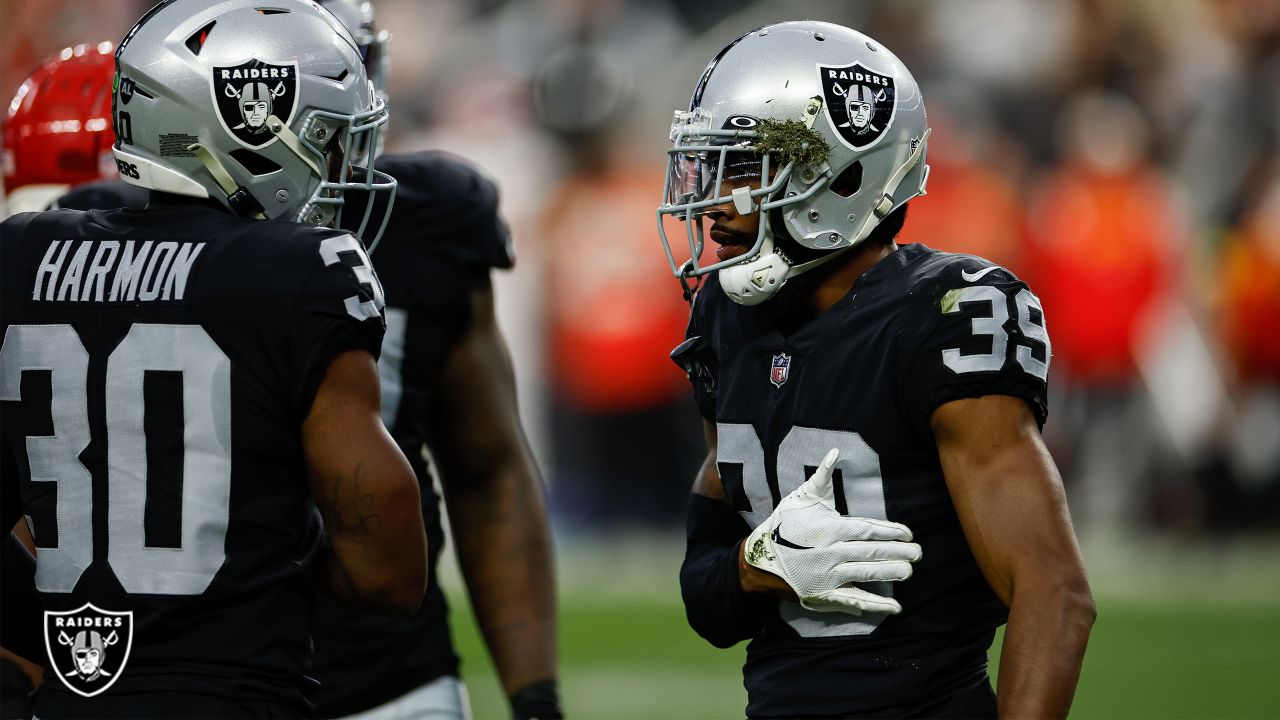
(762, 109)
(374, 44)
(257, 106)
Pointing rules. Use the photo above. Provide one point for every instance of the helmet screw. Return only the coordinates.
(791, 194)
(282, 196)
(833, 238)
(813, 215)
(320, 133)
(275, 127)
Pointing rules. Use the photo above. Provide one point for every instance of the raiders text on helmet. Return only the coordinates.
(244, 103)
(854, 96)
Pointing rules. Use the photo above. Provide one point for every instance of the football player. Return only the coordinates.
(907, 384)
(57, 132)
(180, 382)
(446, 378)
(447, 384)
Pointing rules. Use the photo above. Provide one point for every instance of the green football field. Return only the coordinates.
(1183, 632)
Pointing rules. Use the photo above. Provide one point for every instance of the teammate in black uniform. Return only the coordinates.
(906, 383)
(176, 382)
(447, 384)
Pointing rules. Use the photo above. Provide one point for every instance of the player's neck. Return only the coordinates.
(846, 271)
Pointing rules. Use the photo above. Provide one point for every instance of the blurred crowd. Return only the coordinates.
(1122, 156)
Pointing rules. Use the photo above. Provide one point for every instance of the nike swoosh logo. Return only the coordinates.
(974, 277)
(777, 537)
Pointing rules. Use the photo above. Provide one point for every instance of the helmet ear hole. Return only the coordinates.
(849, 181)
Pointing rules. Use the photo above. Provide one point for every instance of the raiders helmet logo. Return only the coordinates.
(88, 647)
(249, 93)
(860, 103)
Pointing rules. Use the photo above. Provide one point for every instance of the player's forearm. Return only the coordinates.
(1050, 617)
(366, 493)
(377, 562)
(718, 606)
(504, 550)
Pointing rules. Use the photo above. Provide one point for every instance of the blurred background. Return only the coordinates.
(1122, 156)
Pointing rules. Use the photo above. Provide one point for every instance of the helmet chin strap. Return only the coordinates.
(756, 280)
(238, 198)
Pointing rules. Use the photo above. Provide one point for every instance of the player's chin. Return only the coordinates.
(731, 251)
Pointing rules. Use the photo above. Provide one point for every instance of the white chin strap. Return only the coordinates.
(756, 280)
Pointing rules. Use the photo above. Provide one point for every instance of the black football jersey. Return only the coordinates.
(155, 371)
(442, 239)
(103, 195)
(920, 328)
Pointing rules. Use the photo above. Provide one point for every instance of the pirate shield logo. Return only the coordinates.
(860, 102)
(247, 94)
(88, 647)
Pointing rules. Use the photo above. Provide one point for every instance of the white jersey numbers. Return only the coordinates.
(860, 485)
(206, 413)
(1031, 326)
(363, 269)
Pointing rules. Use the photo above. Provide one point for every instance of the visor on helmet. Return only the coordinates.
(708, 168)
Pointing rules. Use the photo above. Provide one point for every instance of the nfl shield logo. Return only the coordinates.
(88, 647)
(780, 368)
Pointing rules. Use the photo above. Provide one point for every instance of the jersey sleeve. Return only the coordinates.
(445, 206)
(974, 332)
(696, 355)
(339, 308)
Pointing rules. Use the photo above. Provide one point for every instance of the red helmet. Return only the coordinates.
(57, 132)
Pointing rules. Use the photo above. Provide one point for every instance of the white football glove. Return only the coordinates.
(820, 552)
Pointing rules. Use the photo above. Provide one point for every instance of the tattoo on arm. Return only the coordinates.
(353, 511)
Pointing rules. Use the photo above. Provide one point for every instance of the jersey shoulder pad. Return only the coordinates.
(938, 268)
(338, 268)
(14, 225)
(103, 195)
(338, 307)
(445, 204)
(971, 328)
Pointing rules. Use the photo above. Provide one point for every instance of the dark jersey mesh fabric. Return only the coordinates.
(442, 239)
(919, 329)
(190, 346)
(103, 195)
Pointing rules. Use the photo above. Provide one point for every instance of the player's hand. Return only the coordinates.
(820, 553)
